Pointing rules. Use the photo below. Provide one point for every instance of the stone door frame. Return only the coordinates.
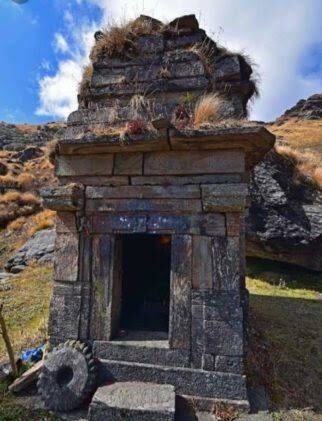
(106, 286)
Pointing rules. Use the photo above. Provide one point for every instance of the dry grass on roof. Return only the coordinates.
(209, 109)
(117, 41)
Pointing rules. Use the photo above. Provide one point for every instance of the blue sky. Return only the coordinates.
(45, 44)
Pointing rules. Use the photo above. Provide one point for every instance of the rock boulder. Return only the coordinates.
(285, 215)
(39, 247)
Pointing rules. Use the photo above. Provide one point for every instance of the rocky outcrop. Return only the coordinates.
(285, 215)
(17, 138)
(307, 109)
(39, 247)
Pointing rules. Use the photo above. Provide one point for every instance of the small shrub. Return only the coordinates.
(181, 112)
(209, 109)
(51, 150)
(135, 127)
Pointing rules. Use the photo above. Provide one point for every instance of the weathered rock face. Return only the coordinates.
(40, 247)
(285, 216)
(308, 109)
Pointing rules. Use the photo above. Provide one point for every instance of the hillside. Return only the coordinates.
(301, 126)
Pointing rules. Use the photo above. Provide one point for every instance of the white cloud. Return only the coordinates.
(58, 93)
(60, 43)
(276, 34)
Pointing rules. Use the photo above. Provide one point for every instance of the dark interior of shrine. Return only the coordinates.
(146, 265)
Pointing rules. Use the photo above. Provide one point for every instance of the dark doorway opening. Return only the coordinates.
(146, 263)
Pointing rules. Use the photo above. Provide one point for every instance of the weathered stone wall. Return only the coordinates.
(199, 200)
(173, 67)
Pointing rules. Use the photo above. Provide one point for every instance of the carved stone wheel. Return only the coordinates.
(68, 376)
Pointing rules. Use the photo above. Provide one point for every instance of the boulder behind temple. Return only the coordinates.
(285, 215)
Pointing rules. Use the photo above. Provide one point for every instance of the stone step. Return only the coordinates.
(208, 385)
(133, 401)
(156, 352)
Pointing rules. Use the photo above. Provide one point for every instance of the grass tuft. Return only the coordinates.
(307, 164)
(118, 41)
(85, 83)
(43, 220)
(208, 109)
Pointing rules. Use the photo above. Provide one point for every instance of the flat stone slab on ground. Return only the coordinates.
(260, 416)
(133, 401)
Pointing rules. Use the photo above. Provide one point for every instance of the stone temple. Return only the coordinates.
(150, 255)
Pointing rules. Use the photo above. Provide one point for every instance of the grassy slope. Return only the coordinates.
(301, 134)
(26, 307)
(286, 333)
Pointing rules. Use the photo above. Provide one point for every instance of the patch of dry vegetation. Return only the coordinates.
(20, 230)
(43, 220)
(15, 204)
(118, 40)
(51, 149)
(22, 181)
(26, 307)
(307, 164)
(208, 110)
(285, 335)
(300, 134)
(85, 83)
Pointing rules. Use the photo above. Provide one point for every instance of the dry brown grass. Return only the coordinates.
(118, 41)
(51, 148)
(206, 51)
(43, 220)
(26, 308)
(208, 109)
(300, 134)
(15, 204)
(17, 224)
(307, 164)
(22, 181)
(86, 80)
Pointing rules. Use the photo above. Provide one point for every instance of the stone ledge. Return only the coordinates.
(256, 140)
(140, 354)
(69, 197)
(213, 385)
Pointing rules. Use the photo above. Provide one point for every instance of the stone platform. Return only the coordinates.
(133, 401)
